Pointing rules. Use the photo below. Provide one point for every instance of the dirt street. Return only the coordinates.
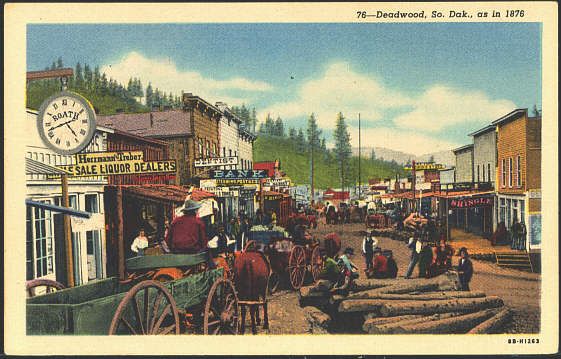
(519, 290)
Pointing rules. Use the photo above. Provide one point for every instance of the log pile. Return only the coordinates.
(409, 306)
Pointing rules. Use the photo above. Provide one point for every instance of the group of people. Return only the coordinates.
(516, 236)
(378, 265)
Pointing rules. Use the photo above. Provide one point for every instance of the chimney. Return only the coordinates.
(186, 97)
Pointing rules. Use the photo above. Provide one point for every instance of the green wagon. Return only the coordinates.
(201, 301)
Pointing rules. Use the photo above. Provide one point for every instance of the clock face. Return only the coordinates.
(66, 123)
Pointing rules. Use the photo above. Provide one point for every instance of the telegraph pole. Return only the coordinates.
(359, 150)
(312, 170)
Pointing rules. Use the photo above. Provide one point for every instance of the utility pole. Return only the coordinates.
(312, 170)
(359, 150)
(413, 181)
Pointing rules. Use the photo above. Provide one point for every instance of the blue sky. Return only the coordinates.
(418, 87)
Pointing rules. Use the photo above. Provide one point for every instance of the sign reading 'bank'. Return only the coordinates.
(238, 174)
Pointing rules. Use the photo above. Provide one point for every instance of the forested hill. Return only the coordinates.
(295, 162)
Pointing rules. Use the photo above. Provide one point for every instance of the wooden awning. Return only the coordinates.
(165, 193)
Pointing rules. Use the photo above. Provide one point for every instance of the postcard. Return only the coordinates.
(281, 178)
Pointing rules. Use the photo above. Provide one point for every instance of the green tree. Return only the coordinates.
(79, 76)
(343, 148)
(431, 158)
(252, 120)
(292, 133)
(59, 64)
(149, 95)
(279, 127)
(88, 76)
(313, 132)
(301, 141)
(372, 155)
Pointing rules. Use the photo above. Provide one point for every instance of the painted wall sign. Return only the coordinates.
(471, 202)
(216, 161)
(115, 163)
(272, 197)
(425, 166)
(237, 182)
(238, 174)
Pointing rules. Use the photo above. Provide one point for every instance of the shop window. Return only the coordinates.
(77, 256)
(29, 243)
(43, 249)
(508, 213)
(502, 214)
(522, 212)
(92, 203)
(93, 243)
(518, 176)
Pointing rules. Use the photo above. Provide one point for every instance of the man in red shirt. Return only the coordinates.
(187, 233)
(380, 269)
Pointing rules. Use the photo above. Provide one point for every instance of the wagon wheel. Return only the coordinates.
(251, 245)
(316, 262)
(221, 309)
(297, 266)
(147, 309)
(49, 285)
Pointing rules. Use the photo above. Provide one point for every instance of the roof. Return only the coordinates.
(461, 194)
(168, 193)
(139, 138)
(189, 97)
(483, 130)
(407, 194)
(511, 116)
(36, 167)
(268, 166)
(151, 124)
(463, 148)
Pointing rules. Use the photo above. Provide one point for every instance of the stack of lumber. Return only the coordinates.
(410, 306)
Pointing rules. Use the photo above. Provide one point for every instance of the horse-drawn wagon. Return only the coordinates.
(164, 294)
(288, 257)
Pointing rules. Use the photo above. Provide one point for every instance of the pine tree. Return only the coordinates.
(104, 84)
(59, 64)
(292, 133)
(79, 76)
(342, 147)
(431, 158)
(252, 120)
(279, 127)
(301, 141)
(313, 132)
(372, 155)
(149, 96)
(88, 77)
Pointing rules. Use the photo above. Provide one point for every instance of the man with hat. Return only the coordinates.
(380, 269)
(187, 232)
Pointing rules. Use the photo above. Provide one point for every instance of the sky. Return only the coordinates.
(419, 88)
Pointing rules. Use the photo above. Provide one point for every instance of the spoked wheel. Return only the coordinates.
(147, 309)
(221, 309)
(250, 246)
(49, 285)
(297, 266)
(316, 263)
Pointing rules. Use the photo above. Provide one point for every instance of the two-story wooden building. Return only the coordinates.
(518, 182)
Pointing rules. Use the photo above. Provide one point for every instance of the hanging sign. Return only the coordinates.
(216, 161)
(283, 183)
(115, 163)
(237, 182)
(471, 202)
(425, 166)
(272, 197)
(238, 174)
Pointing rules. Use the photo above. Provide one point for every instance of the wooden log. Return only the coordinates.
(374, 319)
(446, 282)
(493, 324)
(393, 308)
(375, 294)
(371, 327)
(361, 305)
(455, 325)
(309, 291)
(319, 321)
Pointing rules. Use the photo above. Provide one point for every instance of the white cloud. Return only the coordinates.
(339, 89)
(442, 106)
(165, 75)
(401, 140)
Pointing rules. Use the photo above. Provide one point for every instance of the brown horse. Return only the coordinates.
(332, 244)
(251, 275)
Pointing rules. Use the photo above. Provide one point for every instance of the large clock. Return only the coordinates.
(66, 122)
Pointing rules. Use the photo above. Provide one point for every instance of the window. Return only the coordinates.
(207, 148)
(518, 176)
(502, 215)
(510, 172)
(48, 159)
(92, 204)
(93, 244)
(39, 243)
(522, 211)
(508, 213)
(230, 151)
(489, 172)
(482, 172)
(200, 143)
(503, 173)
(72, 201)
(478, 173)
(77, 254)
(223, 151)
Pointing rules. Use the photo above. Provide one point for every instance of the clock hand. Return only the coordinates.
(74, 133)
(64, 123)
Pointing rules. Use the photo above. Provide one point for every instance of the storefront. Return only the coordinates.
(279, 203)
(469, 211)
(130, 208)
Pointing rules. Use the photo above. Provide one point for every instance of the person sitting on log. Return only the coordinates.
(392, 266)
(442, 259)
(349, 270)
(380, 269)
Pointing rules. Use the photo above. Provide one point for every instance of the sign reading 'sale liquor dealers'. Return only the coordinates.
(238, 174)
(115, 163)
